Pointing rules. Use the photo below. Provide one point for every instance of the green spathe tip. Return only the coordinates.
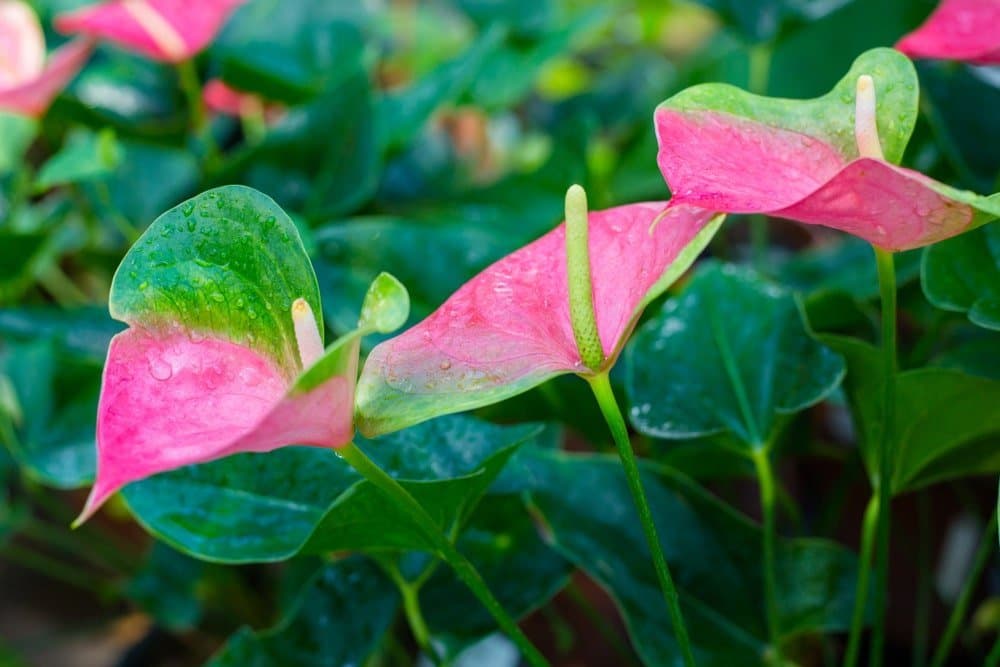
(581, 293)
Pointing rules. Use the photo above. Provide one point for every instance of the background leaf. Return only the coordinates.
(963, 274)
(731, 354)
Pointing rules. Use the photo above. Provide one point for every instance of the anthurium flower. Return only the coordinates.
(510, 328)
(165, 30)
(28, 79)
(827, 161)
(224, 349)
(966, 30)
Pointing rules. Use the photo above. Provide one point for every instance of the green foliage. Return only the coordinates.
(731, 354)
(963, 274)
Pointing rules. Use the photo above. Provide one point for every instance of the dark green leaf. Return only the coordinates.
(337, 621)
(57, 400)
(320, 159)
(84, 331)
(846, 265)
(502, 542)
(963, 274)
(22, 256)
(291, 50)
(86, 155)
(947, 422)
(167, 588)
(730, 354)
(714, 554)
(762, 20)
(265, 507)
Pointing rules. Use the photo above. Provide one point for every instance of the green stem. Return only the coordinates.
(922, 615)
(601, 386)
(765, 477)
(986, 549)
(411, 607)
(993, 659)
(864, 582)
(464, 569)
(191, 87)
(887, 288)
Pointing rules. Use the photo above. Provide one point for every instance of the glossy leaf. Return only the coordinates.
(957, 30)
(844, 265)
(523, 572)
(53, 425)
(708, 133)
(166, 30)
(963, 274)
(763, 20)
(322, 158)
(713, 552)
(508, 329)
(337, 619)
(948, 424)
(85, 156)
(730, 354)
(291, 51)
(251, 508)
(217, 294)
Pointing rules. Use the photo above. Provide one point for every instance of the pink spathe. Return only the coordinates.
(174, 399)
(704, 157)
(512, 321)
(966, 30)
(166, 30)
(28, 81)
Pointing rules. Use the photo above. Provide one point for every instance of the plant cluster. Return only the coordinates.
(263, 393)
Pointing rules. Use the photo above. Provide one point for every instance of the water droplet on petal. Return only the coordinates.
(160, 370)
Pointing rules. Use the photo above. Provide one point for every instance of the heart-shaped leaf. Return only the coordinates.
(947, 424)
(730, 354)
(218, 294)
(351, 596)
(523, 572)
(957, 30)
(963, 274)
(508, 329)
(713, 552)
(167, 30)
(251, 508)
(808, 166)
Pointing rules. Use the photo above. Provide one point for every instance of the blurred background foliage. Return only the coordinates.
(429, 138)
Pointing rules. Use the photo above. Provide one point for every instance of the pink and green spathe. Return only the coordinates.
(29, 78)
(510, 328)
(827, 161)
(224, 350)
(967, 30)
(165, 30)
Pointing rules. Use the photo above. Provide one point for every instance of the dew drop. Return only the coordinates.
(445, 365)
(217, 297)
(192, 225)
(250, 377)
(143, 285)
(160, 370)
(187, 209)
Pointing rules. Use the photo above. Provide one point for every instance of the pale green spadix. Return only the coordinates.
(581, 292)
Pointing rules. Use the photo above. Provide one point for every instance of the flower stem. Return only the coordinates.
(765, 477)
(864, 582)
(191, 87)
(986, 548)
(601, 386)
(463, 568)
(887, 288)
(410, 592)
